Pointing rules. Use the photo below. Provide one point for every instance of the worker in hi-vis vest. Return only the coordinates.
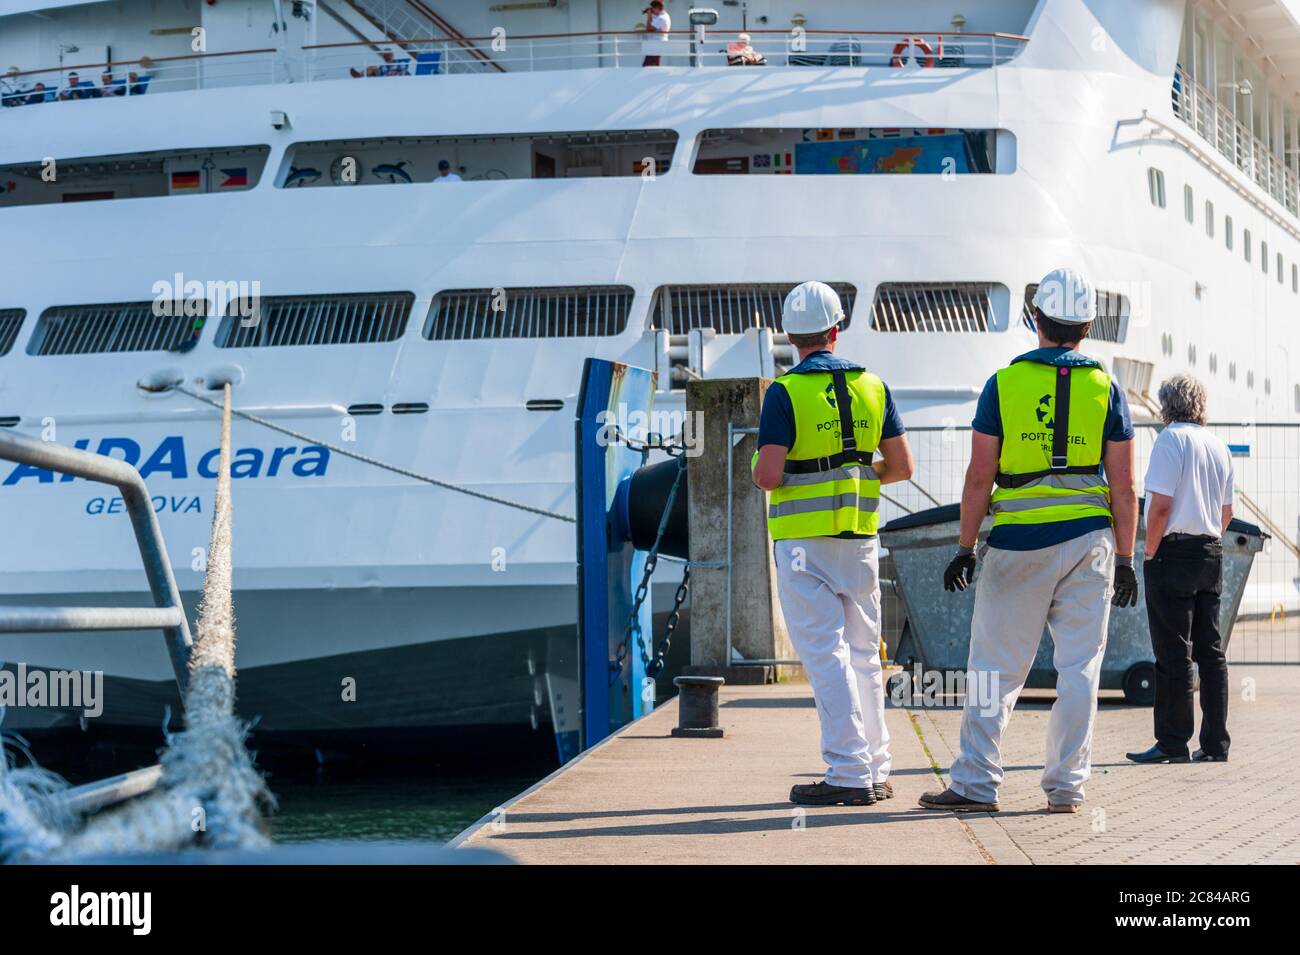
(1052, 430)
(820, 425)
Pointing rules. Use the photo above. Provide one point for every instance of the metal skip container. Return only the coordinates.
(936, 634)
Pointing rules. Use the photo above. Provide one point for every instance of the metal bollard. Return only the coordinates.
(697, 707)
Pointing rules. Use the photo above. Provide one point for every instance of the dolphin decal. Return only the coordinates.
(393, 171)
(301, 177)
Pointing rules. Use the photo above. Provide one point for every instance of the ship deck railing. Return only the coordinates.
(1216, 123)
(429, 57)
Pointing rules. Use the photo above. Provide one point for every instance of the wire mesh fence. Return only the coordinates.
(1266, 466)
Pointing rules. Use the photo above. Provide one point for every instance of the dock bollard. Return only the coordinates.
(697, 706)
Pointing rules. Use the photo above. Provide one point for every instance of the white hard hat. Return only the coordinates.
(811, 308)
(743, 38)
(1065, 296)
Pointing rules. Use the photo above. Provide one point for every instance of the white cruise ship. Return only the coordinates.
(642, 197)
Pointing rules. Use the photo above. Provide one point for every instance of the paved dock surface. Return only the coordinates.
(645, 797)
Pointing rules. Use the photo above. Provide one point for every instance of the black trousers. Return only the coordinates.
(1183, 584)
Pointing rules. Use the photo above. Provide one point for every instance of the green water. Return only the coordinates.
(426, 805)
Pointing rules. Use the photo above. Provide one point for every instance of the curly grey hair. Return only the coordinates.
(1182, 398)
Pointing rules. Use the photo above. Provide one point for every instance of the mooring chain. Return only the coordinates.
(365, 459)
(633, 629)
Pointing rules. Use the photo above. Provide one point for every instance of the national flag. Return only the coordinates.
(763, 161)
(825, 134)
(789, 159)
(776, 160)
(236, 178)
(848, 134)
(186, 181)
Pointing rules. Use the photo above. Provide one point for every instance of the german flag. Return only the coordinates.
(186, 181)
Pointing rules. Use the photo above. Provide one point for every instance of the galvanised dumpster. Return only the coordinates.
(937, 631)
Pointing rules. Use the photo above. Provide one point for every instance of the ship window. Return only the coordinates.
(549, 312)
(157, 325)
(133, 175)
(11, 320)
(854, 151)
(1245, 242)
(1189, 204)
(939, 307)
(281, 320)
(731, 309)
(408, 160)
(1227, 232)
(1209, 219)
(1263, 257)
(1279, 268)
(1295, 277)
(1156, 186)
(1110, 325)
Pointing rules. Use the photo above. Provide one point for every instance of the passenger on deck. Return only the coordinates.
(111, 87)
(445, 174)
(138, 82)
(76, 89)
(741, 53)
(39, 94)
(390, 67)
(658, 21)
(11, 92)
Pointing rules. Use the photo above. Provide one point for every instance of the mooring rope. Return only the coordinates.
(210, 793)
(375, 462)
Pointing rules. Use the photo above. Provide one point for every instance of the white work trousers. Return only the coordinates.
(1066, 587)
(830, 596)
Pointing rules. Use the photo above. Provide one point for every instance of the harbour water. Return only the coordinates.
(426, 803)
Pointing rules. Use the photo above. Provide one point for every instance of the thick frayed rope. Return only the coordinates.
(210, 793)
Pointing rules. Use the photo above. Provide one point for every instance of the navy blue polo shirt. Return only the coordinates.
(776, 423)
(988, 420)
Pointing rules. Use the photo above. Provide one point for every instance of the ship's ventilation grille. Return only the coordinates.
(118, 327)
(283, 320)
(1108, 326)
(11, 319)
(929, 307)
(560, 312)
(731, 309)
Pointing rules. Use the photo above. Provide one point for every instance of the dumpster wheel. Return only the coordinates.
(1140, 684)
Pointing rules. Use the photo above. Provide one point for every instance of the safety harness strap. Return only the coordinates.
(849, 453)
(1012, 481)
(1061, 421)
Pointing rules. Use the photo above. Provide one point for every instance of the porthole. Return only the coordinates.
(1191, 355)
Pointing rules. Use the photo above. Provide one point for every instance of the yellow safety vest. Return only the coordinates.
(830, 487)
(1046, 473)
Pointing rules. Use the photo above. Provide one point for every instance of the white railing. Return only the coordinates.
(433, 56)
(1215, 123)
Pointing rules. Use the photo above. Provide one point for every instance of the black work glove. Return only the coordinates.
(1126, 583)
(960, 573)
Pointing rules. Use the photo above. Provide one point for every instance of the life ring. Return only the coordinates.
(901, 46)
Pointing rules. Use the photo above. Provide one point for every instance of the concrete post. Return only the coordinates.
(757, 627)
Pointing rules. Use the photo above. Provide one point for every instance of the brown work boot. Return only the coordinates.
(1064, 806)
(824, 794)
(955, 803)
(884, 790)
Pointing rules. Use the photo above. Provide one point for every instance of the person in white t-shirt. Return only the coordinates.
(445, 174)
(658, 21)
(1188, 507)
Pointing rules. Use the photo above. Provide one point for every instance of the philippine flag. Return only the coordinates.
(234, 178)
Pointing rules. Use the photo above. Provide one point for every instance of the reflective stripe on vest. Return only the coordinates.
(1026, 404)
(838, 500)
